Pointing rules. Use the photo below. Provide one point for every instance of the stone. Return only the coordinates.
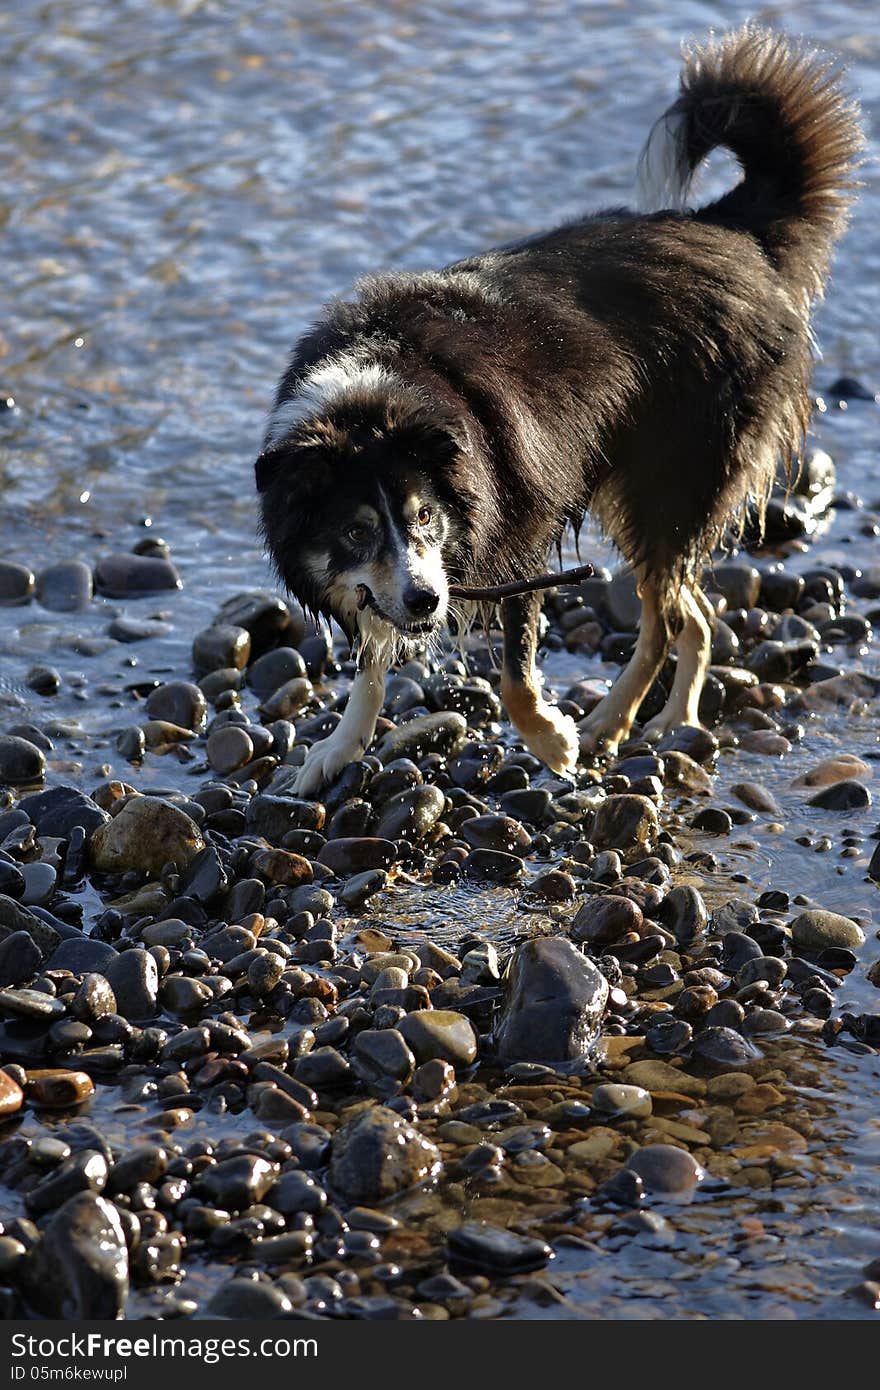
(134, 978)
(384, 1053)
(843, 767)
(79, 1269)
(724, 1048)
(624, 822)
(604, 918)
(479, 1246)
(288, 700)
(377, 1154)
(59, 1088)
(16, 582)
(269, 672)
(236, 1183)
(122, 575)
(427, 733)
(15, 918)
(492, 866)
(621, 1101)
(80, 954)
(496, 833)
(178, 702)
(684, 912)
(756, 797)
(11, 1095)
(666, 1171)
(657, 1076)
(31, 1004)
(554, 1003)
(21, 762)
(411, 814)
(245, 1298)
(144, 836)
(440, 1034)
(65, 587)
(229, 748)
(354, 855)
(842, 796)
(817, 929)
(20, 958)
(221, 648)
(281, 866)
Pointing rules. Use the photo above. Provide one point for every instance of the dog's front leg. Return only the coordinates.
(354, 732)
(550, 735)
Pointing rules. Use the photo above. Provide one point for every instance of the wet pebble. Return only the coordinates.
(666, 1172)
(377, 1154)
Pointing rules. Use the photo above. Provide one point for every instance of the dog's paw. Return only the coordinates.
(600, 734)
(323, 764)
(666, 723)
(553, 737)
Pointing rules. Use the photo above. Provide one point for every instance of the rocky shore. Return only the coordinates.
(269, 1057)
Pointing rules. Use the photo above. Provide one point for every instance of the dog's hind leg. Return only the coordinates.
(546, 732)
(693, 645)
(354, 732)
(611, 721)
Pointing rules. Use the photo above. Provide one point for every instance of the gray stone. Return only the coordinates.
(79, 1269)
(134, 978)
(440, 1033)
(377, 1154)
(816, 929)
(427, 733)
(666, 1171)
(624, 822)
(21, 762)
(65, 587)
(554, 1004)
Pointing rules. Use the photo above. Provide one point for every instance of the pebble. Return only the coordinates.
(59, 1089)
(229, 748)
(622, 1101)
(478, 1245)
(221, 648)
(378, 1154)
(16, 582)
(606, 918)
(816, 930)
(842, 796)
(666, 1171)
(440, 1034)
(143, 836)
(178, 702)
(411, 815)
(625, 821)
(21, 762)
(66, 587)
(121, 575)
(79, 1268)
(554, 1003)
(134, 978)
(11, 1095)
(428, 733)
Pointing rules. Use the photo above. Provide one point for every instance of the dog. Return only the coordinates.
(649, 367)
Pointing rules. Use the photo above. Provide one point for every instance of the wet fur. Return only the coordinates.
(651, 368)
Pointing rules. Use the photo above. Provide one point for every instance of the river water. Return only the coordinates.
(185, 184)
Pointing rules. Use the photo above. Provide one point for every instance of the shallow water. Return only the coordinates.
(185, 183)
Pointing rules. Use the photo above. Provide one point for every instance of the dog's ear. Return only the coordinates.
(267, 465)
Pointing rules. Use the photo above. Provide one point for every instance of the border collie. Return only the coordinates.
(650, 367)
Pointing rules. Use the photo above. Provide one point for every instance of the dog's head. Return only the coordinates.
(363, 508)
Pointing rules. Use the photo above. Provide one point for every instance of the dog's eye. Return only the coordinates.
(358, 534)
(424, 516)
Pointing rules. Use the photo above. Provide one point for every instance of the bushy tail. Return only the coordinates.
(780, 109)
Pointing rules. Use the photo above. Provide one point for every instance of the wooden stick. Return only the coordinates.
(495, 592)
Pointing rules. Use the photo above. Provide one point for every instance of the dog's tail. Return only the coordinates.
(779, 108)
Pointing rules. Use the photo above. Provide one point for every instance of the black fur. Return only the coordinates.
(651, 368)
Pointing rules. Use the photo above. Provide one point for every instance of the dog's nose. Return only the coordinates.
(420, 602)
